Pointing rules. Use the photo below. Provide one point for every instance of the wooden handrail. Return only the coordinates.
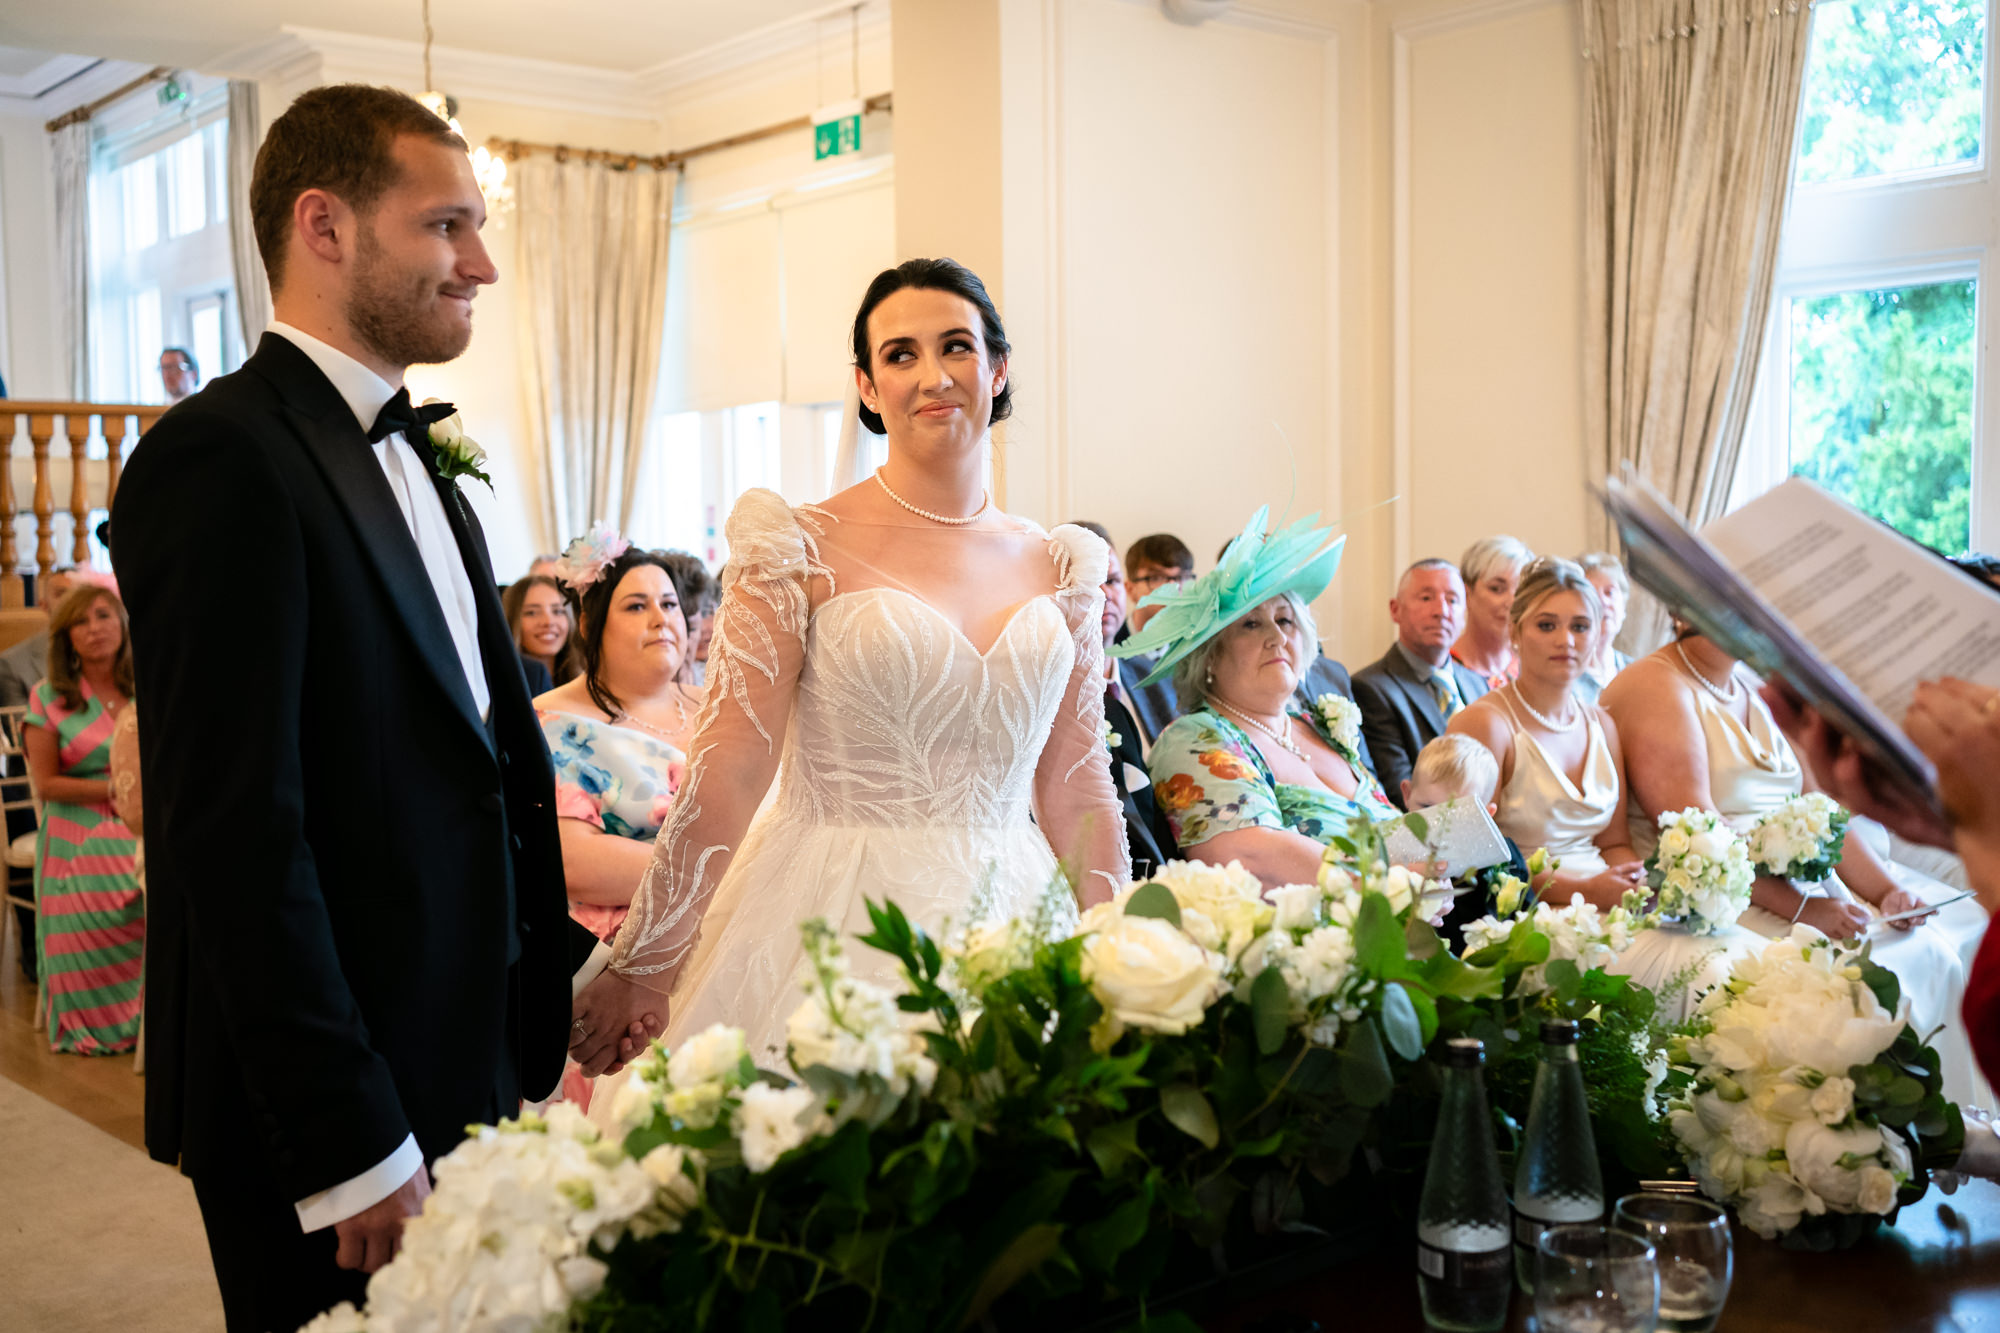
(88, 477)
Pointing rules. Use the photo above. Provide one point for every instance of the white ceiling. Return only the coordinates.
(628, 35)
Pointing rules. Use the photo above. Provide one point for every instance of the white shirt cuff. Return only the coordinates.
(320, 1211)
(600, 958)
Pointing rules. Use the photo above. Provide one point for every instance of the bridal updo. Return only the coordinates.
(943, 275)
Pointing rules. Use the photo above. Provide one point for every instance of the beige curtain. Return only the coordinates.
(253, 292)
(70, 148)
(593, 265)
(1691, 118)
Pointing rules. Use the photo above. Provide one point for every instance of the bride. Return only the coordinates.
(920, 671)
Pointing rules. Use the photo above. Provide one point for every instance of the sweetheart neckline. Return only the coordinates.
(949, 623)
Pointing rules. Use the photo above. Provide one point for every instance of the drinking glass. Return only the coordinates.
(1696, 1258)
(1593, 1279)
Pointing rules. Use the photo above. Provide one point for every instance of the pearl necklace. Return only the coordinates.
(984, 500)
(624, 719)
(1285, 740)
(1575, 713)
(1722, 694)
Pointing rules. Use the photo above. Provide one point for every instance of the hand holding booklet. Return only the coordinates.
(1802, 587)
(1459, 838)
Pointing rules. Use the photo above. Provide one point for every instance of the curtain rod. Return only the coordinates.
(89, 109)
(513, 149)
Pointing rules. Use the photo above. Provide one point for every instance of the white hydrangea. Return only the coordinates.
(503, 1241)
(771, 1121)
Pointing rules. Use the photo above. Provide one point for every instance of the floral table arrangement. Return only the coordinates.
(1025, 1126)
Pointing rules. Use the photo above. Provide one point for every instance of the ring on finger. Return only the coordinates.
(582, 1032)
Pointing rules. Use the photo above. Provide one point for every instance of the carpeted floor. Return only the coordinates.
(95, 1237)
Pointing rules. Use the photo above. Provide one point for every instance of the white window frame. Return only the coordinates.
(1899, 229)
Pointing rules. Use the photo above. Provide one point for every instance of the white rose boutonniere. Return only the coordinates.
(458, 454)
(1342, 718)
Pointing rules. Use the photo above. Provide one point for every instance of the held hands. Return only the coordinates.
(370, 1238)
(611, 1023)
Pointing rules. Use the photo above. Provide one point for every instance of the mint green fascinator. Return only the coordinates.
(1254, 568)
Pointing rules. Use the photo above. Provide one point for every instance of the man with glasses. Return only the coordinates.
(179, 375)
(1151, 563)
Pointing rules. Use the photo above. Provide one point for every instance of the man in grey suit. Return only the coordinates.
(1408, 696)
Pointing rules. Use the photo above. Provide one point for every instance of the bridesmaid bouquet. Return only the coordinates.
(1700, 872)
(1813, 1105)
(1801, 839)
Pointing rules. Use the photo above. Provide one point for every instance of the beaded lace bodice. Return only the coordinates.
(885, 714)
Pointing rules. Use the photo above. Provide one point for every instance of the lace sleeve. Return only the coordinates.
(753, 671)
(1075, 801)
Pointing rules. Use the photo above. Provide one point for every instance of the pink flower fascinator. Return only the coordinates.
(586, 558)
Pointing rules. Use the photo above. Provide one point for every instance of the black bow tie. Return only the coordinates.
(398, 416)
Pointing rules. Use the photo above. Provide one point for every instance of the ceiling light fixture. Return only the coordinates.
(490, 171)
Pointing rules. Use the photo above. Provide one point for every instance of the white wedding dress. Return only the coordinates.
(908, 762)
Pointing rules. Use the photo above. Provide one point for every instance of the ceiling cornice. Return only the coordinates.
(65, 83)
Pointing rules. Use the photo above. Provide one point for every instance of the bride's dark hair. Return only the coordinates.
(943, 275)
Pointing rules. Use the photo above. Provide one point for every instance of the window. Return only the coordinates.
(1869, 382)
(161, 274)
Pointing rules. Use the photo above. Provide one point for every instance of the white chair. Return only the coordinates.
(17, 792)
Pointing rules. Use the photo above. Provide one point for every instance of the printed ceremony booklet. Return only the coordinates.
(1846, 610)
(1462, 839)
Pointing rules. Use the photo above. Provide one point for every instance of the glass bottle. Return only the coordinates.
(1462, 1251)
(1556, 1179)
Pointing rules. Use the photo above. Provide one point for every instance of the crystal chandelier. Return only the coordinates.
(490, 171)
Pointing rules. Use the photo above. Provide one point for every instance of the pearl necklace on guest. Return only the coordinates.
(1723, 694)
(1285, 739)
(621, 718)
(1575, 713)
(985, 499)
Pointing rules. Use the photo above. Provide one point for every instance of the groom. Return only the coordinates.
(358, 940)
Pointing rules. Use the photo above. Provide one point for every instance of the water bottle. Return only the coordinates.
(1462, 1250)
(1556, 1179)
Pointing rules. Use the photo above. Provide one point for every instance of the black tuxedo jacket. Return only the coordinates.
(356, 917)
(1399, 714)
(1148, 836)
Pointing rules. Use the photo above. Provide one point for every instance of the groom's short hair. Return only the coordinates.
(341, 139)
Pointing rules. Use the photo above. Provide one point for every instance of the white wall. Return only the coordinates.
(28, 252)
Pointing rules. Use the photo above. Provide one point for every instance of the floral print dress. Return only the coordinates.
(1210, 779)
(618, 778)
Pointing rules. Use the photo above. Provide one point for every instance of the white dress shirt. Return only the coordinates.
(365, 393)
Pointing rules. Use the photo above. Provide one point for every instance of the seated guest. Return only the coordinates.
(700, 593)
(1490, 567)
(1458, 768)
(91, 923)
(550, 565)
(538, 616)
(1241, 774)
(619, 732)
(27, 661)
(1614, 593)
(1160, 560)
(1408, 696)
(1148, 838)
(1697, 734)
(1562, 781)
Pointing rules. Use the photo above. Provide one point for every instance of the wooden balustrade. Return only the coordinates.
(92, 481)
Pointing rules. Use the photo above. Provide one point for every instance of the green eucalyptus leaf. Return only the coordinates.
(1378, 937)
(1155, 900)
(1418, 825)
(1400, 1023)
(1189, 1111)
(1271, 1009)
(1364, 1067)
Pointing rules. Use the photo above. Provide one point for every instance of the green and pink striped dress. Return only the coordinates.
(90, 918)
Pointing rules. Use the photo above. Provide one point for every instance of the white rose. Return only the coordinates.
(1711, 844)
(1150, 976)
(1674, 842)
(1878, 1190)
(771, 1122)
(1295, 907)
(1833, 1100)
(1774, 1205)
(450, 430)
(715, 1053)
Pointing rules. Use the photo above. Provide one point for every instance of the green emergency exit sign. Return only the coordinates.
(836, 130)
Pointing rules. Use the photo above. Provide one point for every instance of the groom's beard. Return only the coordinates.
(395, 313)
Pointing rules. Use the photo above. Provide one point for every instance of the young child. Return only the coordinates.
(1454, 766)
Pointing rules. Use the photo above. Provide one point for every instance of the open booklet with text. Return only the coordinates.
(1801, 586)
